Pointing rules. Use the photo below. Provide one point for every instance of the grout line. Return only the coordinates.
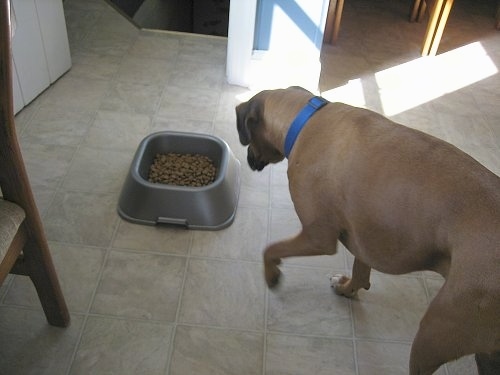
(178, 310)
(88, 313)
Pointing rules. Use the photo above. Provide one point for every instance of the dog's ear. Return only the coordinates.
(247, 117)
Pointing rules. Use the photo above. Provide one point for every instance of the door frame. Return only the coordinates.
(241, 30)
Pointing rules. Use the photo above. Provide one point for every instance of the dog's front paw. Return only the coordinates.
(341, 284)
(272, 277)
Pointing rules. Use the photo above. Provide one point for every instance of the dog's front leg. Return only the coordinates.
(348, 287)
(272, 272)
(300, 245)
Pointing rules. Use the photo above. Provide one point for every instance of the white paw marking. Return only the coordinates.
(335, 280)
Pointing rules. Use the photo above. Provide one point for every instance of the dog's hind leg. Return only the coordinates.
(444, 334)
(348, 287)
(488, 363)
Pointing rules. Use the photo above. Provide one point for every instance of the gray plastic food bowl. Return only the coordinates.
(210, 207)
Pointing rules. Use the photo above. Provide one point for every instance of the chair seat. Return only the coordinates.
(11, 217)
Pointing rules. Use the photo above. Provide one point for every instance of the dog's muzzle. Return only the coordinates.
(254, 163)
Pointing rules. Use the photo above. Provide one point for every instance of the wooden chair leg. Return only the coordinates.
(440, 27)
(431, 27)
(35, 260)
(421, 11)
(39, 267)
(415, 10)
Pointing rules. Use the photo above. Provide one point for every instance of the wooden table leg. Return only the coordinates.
(338, 16)
(437, 21)
(440, 27)
(327, 36)
(418, 10)
(431, 26)
(333, 21)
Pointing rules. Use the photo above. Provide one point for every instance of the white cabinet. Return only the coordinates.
(54, 37)
(40, 48)
(16, 89)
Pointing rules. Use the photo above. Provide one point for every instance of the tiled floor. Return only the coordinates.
(147, 300)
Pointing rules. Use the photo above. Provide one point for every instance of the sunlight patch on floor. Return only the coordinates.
(420, 81)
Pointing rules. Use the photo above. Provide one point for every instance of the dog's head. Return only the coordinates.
(253, 132)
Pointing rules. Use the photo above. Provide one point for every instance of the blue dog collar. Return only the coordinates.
(314, 104)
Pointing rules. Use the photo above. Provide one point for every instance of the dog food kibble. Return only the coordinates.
(182, 169)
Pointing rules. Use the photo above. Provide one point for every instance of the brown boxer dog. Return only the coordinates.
(400, 201)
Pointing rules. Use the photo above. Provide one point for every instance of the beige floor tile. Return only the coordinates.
(158, 72)
(182, 125)
(303, 355)
(223, 293)
(198, 75)
(122, 346)
(231, 96)
(143, 286)
(88, 98)
(194, 104)
(46, 164)
(228, 243)
(387, 358)
(391, 309)
(31, 346)
(43, 198)
(253, 197)
(57, 126)
(304, 303)
(466, 130)
(487, 156)
(4, 287)
(208, 51)
(227, 130)
(23, 118)
(118, 130)
(132, 97)
(382, 358)
(82, 218)
(158, 238)
(284, 224)
(111, 43)
(207, 351)
(87, 65)
(155, 46)
(108, 169)
(254, 190)
(77, 268)
(280, 193)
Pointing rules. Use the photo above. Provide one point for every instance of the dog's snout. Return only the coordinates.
(254, 163)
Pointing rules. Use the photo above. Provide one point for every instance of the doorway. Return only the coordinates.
(289, 36)
(208, 17)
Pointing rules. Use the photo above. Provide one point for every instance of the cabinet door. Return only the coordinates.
(54, 36)
(28, 51)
